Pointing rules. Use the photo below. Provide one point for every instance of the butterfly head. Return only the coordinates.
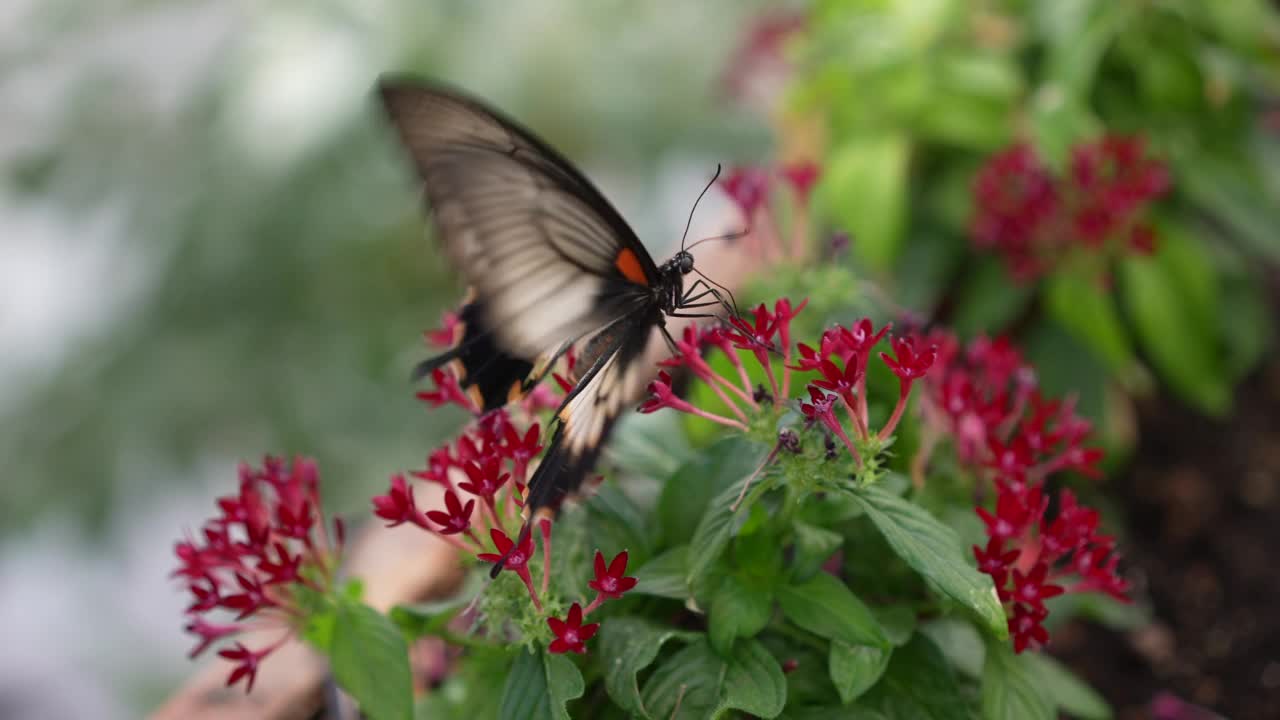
(681, 262)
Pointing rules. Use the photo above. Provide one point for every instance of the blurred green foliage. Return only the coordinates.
(916, 94)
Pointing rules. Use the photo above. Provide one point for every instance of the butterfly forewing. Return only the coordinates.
(550, 262)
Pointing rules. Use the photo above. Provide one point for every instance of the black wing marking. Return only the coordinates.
(482, 367)
(584, 420)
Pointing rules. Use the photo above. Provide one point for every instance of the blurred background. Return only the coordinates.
(211, 249)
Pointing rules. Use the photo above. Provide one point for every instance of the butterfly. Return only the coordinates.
(550, 264)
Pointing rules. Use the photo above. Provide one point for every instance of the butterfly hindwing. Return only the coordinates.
(585, 418)
(492, 376)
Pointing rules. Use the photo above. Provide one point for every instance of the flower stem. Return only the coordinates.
(728, 422)
(728, 402)
(545, 527)
(746, 396)
(890, 426)
(594, 604)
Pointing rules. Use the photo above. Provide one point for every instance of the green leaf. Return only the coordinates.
(1010, 690)
(649, 445)
(838, 712)
(1164, 324)
(1245, 322)
(686, 495)
(753, 681)
(718, 521)
(1068, 692)
(538, 687)
(989, 299)
(919, 685)
(813, 545)
(825, 606)
(960, 642)
(627, 646)
(370, 661)
(697, 683)
(865, 189)
(686, 685)
(616, 524)
(897, 621)
(855, 668)
(665, 575)
(1090, 314)
(1078, 34)
(430, 618)
(738, 610)
(933, 550)
(1059, 120)
(1228, 188)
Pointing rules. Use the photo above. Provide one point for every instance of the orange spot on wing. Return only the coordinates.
(629, 265)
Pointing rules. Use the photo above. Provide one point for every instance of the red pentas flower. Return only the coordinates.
(571, 634)
(1033, 217)
(611, 581)
(748, 187)
(397, 506)
(267, 546)
(456, 518)
(801, 177)
(983, 397)
(447, 392)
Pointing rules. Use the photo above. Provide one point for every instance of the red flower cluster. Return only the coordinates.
(985, 398)
(1033, 217)
(610, 583)
(268, 546)
(841, 360)
(489, 462)
(1028, 555)
(487, 467)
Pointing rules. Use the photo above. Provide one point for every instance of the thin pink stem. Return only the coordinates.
(594, 604)
(728, 401)
(727, 422)
(737, 390)
(769, 233)
(528, 583)
(786, 371)
(800, 232)
(856, 417)
(840, 433)
(773, 382)
(890, 426)
(545, 527)
(749, 391)
(862, 399)
(493, 512)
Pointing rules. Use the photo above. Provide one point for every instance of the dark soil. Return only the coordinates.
(1202, 499)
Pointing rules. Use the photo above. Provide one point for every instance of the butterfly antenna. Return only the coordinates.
(727, 236)
(688, 223)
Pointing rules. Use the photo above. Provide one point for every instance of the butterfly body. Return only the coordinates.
(550, 264)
